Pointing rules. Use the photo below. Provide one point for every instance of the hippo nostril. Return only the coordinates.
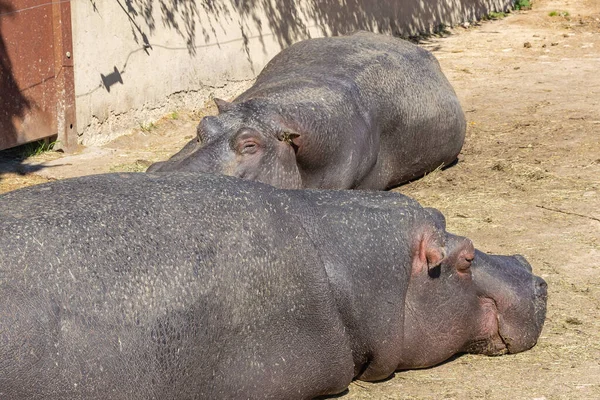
(541, 287)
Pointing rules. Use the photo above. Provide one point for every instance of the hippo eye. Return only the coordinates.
(248, 147)
(247, 141)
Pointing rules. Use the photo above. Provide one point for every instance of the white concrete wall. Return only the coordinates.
(136, 60)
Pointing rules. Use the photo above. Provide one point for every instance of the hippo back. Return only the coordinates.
(134, 286)
(380, 83)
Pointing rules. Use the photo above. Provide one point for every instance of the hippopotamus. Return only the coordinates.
(201, 286)
(363, 111)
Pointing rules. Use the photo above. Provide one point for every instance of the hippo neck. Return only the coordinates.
(377, 223)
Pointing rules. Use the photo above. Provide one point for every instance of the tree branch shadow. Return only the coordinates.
(287, 20)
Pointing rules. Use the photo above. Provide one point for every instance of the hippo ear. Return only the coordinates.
(222, 105)
(430, 254)
(289, 137)
(434, 255)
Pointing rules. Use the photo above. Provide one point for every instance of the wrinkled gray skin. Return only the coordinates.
(364, 111)
(194, 286)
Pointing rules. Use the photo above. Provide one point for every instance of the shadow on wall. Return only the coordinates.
(13, 105)
(286, 19)
(397, 17)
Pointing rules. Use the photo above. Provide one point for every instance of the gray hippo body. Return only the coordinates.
(195, 286)
(363, 111)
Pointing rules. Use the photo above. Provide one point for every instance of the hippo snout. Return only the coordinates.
(541, 299)
(523, 335)
(540, 291)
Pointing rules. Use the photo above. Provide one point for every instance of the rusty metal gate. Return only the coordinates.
(37, 98)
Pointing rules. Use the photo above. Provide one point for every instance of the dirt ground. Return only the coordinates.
(527, 182)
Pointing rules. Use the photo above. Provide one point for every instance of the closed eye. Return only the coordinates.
(249, 147)
(247, 141)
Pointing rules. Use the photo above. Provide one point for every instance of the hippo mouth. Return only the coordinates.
(491, 341)
(497, 342)
(523, 336)
(510, 343)
(518, 328)
(506, 341)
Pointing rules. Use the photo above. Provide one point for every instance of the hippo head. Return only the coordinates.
(471, 302)
(248, 140)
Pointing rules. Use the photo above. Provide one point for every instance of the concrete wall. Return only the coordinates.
(136, 60)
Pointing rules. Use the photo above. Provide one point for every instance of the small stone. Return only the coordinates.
(573, 321)
(527, 45)
(517, 68)
(544, 45)
(554, 43)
